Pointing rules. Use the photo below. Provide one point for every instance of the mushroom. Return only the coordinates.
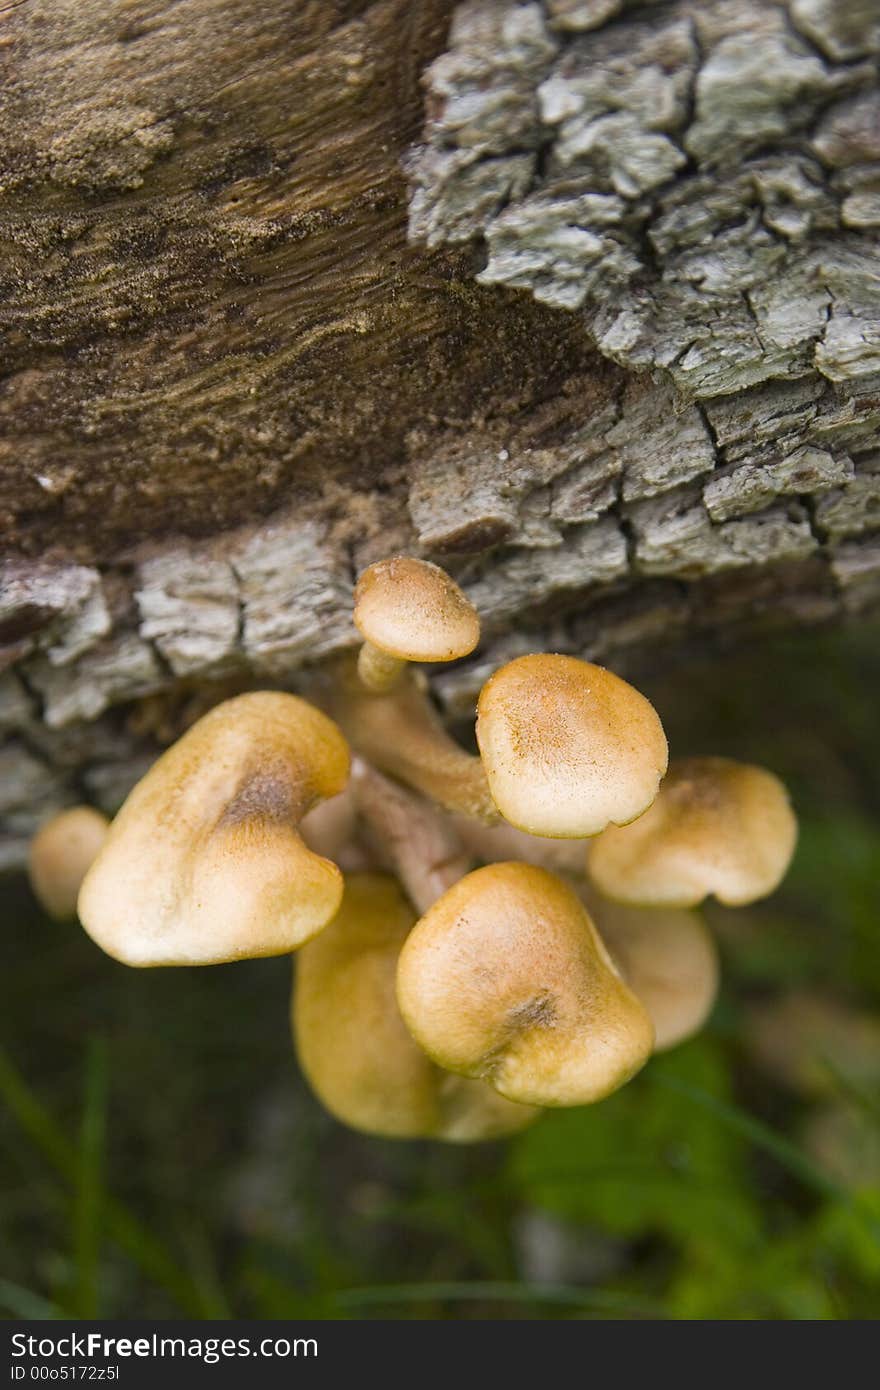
(717, 826)
(567, 746)
(60, 854)
(409, 610)
(667, 957)
(400, 733)
(204, 863)
(354, 1049)
(505, 979)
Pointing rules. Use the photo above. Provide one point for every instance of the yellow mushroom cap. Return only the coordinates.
(61, 853)
(716, 827)
(568, 747)
(667, 957)
(352, 1044)
(203, 863)
(506, 979)
(414, 611)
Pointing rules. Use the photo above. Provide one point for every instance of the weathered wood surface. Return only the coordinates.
(624, 378)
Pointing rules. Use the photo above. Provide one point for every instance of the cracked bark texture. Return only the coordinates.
(590, 314)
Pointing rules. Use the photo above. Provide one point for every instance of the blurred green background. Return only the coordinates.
(162, 1156)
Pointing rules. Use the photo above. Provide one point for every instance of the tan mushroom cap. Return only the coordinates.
(414, 611)
(61, 853)
(506, 979)
(716, 827)
(354, 1049)
(667, 957)
(203, 863)
(568, 747)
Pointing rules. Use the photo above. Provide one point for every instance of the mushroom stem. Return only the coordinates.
(379, 671)
(331, 830)
(408, 835)
(495, 843)
(400, 733)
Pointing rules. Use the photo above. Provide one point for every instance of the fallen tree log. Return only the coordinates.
(578, 298)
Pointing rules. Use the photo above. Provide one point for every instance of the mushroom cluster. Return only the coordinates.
(478, 936)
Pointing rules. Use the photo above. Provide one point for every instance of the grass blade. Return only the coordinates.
(568, 1295)
(88, 1193)
(146, 1251)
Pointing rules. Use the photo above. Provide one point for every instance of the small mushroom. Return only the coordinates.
(60, 854)
(568, 747)
(204, 863)
(717, 826)
(667, 957)
(401, 734)
(352, 1044)
(410, 610)
(506, 980)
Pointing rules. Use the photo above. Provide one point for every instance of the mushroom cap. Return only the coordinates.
(506, 979)
(717, 826)
(567, 746)
(413, 610)
(203, 863)
(667, 957)
(60, 855)
(353, 1047)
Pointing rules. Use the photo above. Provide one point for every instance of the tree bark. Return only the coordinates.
(593, 320)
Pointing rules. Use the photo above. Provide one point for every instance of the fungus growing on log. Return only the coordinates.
(409, 610)
(717, 826)
(667, 957)
(438, 999)
(61, 853)
(506, 980)
(568, 747)
(204, 864)
(352, 1043)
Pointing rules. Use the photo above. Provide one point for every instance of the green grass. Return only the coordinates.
(161, 1155)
